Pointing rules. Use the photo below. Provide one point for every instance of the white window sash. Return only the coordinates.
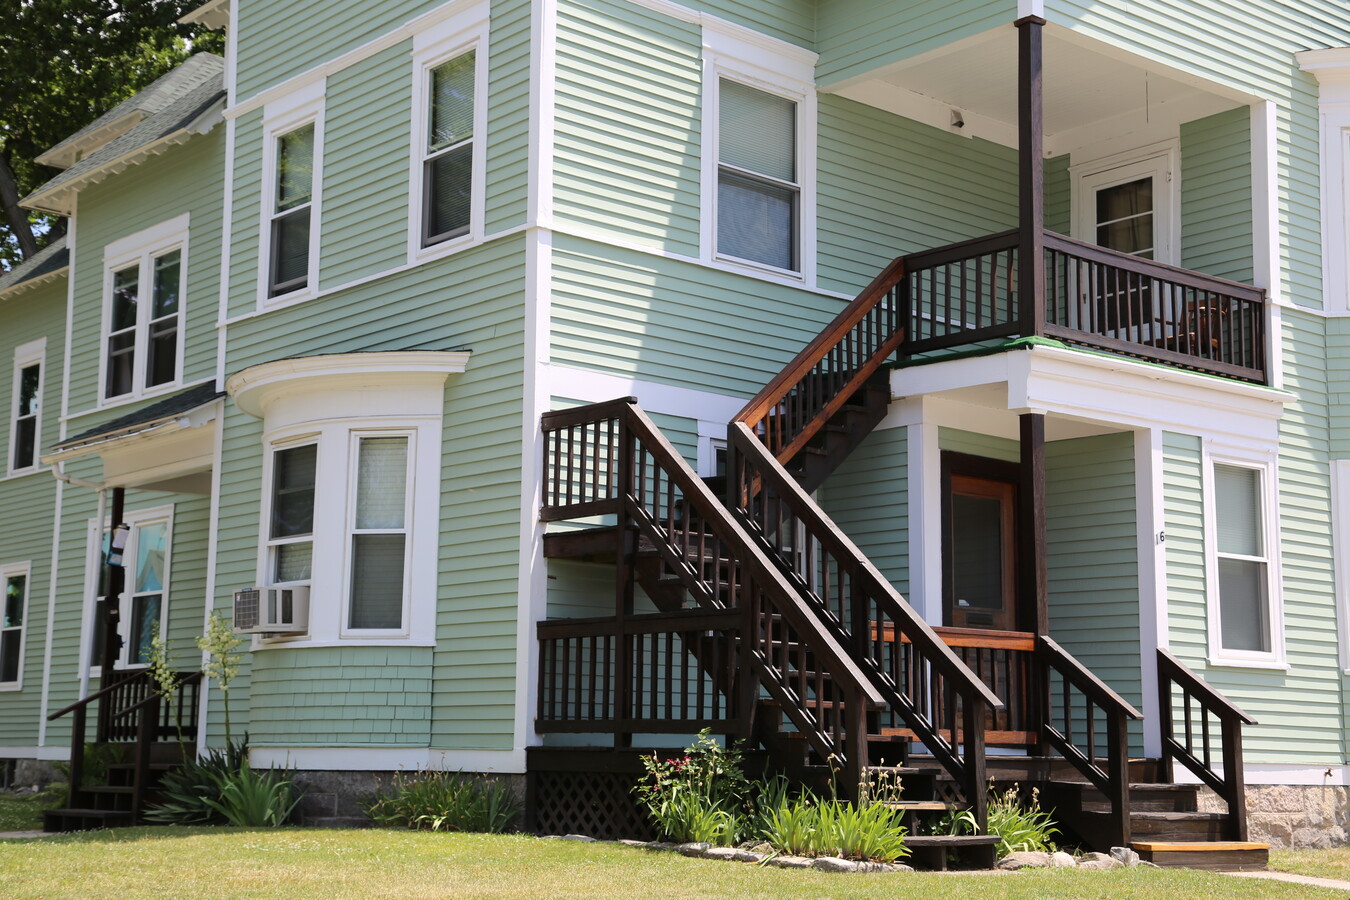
(281, 117)
(349, 543)
(9, 572)
(26, 356)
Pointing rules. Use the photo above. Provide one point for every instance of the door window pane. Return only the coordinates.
(977, 552)
(151, 552)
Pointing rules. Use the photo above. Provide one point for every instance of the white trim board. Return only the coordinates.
(595, 387)
(388, 759)
(1315, 774)
(44, 753)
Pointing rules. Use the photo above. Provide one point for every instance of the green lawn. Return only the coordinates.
(20, 813)
(130, 864)
(1318, 863)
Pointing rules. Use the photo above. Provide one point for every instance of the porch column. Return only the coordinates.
(112, 600)
(1031, 180)
(1032, 581)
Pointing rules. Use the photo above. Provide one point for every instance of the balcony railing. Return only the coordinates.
(1094, 297)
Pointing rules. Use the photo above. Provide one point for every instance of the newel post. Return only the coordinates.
(1031, 177)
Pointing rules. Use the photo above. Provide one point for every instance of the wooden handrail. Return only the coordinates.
(194, 678)
(1087, 682)
(1231, 786)
(65, 710)
(1152, 268)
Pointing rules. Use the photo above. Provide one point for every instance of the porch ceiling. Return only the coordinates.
(1094, 93)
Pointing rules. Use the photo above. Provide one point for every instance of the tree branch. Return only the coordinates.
(14, 215)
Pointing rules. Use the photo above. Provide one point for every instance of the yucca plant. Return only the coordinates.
(186, 790)
(255, 799)
(445, 801)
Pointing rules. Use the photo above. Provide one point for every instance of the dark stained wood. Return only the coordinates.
(1034, 581)
(116, 582)
(1210, 706)
(996, 479)
(1031, 174)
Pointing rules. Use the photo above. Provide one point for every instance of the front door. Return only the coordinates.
(979, 543)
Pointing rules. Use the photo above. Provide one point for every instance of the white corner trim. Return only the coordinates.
(38, 752)
(1340, 555)
(256, 388)
(388, 759)
(43, 704)
(1030, 8)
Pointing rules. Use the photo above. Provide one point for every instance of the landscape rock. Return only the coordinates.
(721, 853)
(790, 862)
(694, 848)
(834, 864)
(757, 846)
(748, 856)
(875, 867)
(659, 845)
(1061, 860)
(1125, 855)
(1024, 859)
(579, 838)
(1096, 860)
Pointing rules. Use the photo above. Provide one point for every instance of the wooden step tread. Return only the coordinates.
(1196, 846)
(1189, 816)
(1134, 786)
(107, 789)
(920, 805)
(950, 840)
(89, 813)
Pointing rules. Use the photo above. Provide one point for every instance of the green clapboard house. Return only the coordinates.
(948, 387)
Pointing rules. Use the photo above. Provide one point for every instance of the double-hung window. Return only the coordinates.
(448, 153)
(25, 423)
(291, 530)
(14, 595)
(758, 177)
(379, 534)
(144, 313)
(293, 202)
(1244, 603)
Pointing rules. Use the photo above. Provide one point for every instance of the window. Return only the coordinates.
(758, 188)
(144, 312)
(291, 534)
(26, 428)
(379, 535)
(293, 204)
(144, 603)
(1245, 618)
(447, 176)
(1130, 203)
(14, 581)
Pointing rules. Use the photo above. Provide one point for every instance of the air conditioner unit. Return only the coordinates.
(272, 610)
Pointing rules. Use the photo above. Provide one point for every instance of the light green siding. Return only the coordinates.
(508, 137)
(1092, 562)
(857, 36)
(1058, 212)
(367, 122)
(890, 186)
(245, 231)
(1216, 195)
(341, 697)
(868, 497)
(958, 441)
(28, 501)
(627, 157)
(185, 179)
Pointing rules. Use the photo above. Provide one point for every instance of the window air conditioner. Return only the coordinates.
(272, 610)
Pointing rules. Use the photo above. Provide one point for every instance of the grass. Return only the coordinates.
(1317, 863)
(225, 863)
(20, 813)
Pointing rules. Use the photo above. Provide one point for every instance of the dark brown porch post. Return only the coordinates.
(112, 601)
(1032, 592)
(1031, 172)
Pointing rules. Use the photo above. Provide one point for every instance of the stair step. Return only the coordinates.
(933, 851)
(1220, 856)
(77, 819)
(107, 789)
(920, 805)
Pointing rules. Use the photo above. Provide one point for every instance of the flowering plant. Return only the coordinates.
(700, 796)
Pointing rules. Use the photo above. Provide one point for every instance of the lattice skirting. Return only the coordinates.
(585, 792)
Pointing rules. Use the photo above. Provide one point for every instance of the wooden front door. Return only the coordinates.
(980, 543)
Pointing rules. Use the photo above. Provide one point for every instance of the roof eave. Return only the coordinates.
(15, 290)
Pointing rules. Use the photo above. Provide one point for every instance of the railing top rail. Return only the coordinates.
(690, 619)
(1162, 271)
(815, 351)
(98, 695)
(843, 667)
(967, 249)
(1198, 687)
(1089, 683)
(562, 418)
(921, 634)
(154, 696)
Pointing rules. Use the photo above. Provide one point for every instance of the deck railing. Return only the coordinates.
(1207, 718)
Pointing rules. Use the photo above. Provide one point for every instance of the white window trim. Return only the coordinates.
(337, 438)
(24, 569)
(142, 248)
(1163, 162)
(464, 32)
(790, 76)
(94, 536)
(355, 437)
(25, 355)
(306, 106)
(269, 543)
(1267, 465)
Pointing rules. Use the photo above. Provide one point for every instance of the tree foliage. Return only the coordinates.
(63, 63)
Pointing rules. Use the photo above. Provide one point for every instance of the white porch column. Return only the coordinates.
(1148, 486)
(925, 513)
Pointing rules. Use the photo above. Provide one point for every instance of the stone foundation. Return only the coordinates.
(35, 773)
(337, 799)
(1292, 816)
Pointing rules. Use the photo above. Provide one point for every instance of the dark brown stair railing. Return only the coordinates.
(1067, 685)
(921, 678)
(609, 459)
(1199, 705)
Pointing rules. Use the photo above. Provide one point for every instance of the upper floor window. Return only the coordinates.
(25, 425)
(292, 210)
(14, 596)
(758, 185)
(143, 346)
(447, 176)
(449, 118)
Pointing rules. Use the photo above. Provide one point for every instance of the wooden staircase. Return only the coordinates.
(796, 640)
(133, 717)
